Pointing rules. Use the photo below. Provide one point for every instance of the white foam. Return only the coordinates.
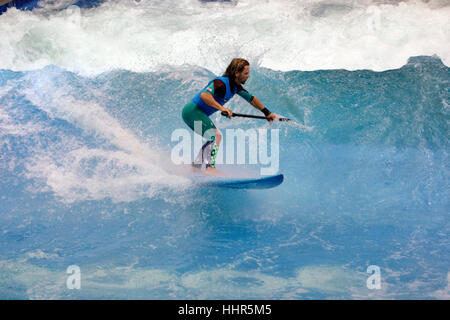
(444, 293)
(8, 127)
(42, 283)
(334, 281)
(74, 171)
(39, 254)
(277, 34)
(116, 175)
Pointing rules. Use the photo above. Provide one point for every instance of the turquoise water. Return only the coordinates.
(86, 181)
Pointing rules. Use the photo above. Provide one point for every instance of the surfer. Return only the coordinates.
(211, 99)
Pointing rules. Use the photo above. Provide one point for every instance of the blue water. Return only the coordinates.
(86, 181)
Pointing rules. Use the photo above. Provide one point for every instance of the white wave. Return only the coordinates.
(277, 34)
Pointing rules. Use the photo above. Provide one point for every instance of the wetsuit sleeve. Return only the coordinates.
(245, 94)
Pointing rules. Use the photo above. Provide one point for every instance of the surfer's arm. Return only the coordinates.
(254, 101)
(210, 101)
(258, 105)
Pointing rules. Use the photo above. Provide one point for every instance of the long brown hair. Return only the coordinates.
(236, 65)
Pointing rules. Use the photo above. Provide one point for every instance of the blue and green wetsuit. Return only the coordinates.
(222, 89)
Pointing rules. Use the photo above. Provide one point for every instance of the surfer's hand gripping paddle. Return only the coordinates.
(224, 113)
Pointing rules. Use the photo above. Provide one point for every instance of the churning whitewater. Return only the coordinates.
(90, 97)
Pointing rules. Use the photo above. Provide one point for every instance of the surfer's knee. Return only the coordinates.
(213, 134)
(218, 135)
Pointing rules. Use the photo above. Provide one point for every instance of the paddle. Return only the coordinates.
(224, 113)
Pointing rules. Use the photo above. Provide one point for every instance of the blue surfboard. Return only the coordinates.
(240, 183)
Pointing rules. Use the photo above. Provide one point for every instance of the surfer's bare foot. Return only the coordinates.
(213, 172)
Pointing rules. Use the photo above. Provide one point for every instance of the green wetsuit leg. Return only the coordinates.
(192, 113)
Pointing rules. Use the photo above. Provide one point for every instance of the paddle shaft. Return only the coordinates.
(224, 113)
